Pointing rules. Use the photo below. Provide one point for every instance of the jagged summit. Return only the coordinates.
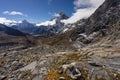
(61, 15)
(25, 21)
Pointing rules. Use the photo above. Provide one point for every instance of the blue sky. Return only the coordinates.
(41, 11)
(34, 10)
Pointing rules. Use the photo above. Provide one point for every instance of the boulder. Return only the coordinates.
(72, 71)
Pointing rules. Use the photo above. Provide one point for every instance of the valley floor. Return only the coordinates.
(100, 61)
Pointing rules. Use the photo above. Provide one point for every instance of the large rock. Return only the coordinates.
(72, 71)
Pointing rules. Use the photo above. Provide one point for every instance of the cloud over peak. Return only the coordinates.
(83, 9)
(81, 4)
(14, 13)
(87, 3)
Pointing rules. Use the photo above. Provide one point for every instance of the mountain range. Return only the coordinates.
(47, 28)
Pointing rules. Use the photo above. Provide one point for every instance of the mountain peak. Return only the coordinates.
(61, 15)
(25, 21)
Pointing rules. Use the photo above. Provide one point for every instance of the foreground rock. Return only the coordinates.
(72, 71)
(83, 65)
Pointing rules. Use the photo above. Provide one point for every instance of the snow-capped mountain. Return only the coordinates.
(57, 17)
(25, 26)
(54, 26)
(48, 28)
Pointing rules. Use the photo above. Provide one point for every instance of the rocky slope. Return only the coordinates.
(109, 14)
(103, 23)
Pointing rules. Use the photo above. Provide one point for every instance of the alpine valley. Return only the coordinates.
(88, 49)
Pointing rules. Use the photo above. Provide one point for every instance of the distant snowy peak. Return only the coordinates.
(57, 18)
(25, 26)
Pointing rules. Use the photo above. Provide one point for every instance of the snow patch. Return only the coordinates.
(66, 29)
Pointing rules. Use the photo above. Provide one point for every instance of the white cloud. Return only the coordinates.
(79, 14)
(7, 21)
(81, 3)
(46, 23)
(84, 8)
(14, 13)
(87, 3)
